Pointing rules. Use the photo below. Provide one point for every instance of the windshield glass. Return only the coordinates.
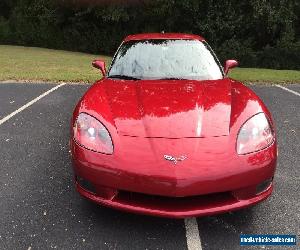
(165, 59)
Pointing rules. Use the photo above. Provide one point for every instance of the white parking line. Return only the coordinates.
(192, 234)
(289, 90)
(6, 118)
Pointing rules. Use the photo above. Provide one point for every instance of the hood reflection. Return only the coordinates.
(171, 109)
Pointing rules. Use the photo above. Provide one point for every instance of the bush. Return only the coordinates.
(257, 33)
(279, 58)
(4, 30)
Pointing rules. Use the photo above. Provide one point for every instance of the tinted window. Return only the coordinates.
(163, 59)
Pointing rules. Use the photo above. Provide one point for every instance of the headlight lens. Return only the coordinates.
(256, 134)
(91, 134)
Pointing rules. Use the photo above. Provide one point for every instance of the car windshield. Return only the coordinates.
(165, 59)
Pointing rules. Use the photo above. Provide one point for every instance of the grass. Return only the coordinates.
(253, 75)
(37, 64)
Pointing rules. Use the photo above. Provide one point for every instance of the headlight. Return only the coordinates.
(91, 134)
(255, 134)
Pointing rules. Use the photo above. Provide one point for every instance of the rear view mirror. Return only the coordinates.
(229, 64)
(99, 64)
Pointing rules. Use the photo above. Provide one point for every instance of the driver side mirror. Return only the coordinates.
(229, 64)
(99, 64)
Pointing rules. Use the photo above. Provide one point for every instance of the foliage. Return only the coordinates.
(259, 33)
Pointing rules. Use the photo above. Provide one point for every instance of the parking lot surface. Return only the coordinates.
(280, 213)
(40, 209)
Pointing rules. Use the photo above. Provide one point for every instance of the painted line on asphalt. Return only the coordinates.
(6, 118)
(192, 234)
(288, 90)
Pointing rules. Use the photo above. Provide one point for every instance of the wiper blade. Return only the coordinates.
(124, 77)
(172, 78)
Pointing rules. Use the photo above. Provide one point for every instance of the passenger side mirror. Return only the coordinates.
(229, 64)
(99, 64)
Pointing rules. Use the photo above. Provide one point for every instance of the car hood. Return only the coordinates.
(169, 108)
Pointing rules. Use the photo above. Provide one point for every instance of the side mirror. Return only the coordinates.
(99, 64)
(229, 64)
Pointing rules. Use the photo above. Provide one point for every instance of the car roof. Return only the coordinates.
(147, 36)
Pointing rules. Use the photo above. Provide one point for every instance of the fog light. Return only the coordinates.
(263, 186)
(85, 184)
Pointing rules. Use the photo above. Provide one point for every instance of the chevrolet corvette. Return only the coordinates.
(166, 132)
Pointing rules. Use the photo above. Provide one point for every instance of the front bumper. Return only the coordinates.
(203, 205)
(245, 181)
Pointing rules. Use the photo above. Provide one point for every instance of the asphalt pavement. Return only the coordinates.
(280, 214)
(40, 209)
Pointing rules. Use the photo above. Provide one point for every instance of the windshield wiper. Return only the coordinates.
(124, 77)
(172, 78)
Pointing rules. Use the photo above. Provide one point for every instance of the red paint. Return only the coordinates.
(149, 108)
(197, 119)
(100, 64)
(147, 36)
(229, 64)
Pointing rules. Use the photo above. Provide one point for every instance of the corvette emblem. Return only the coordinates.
(173, 159)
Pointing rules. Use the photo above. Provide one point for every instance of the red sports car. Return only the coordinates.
(165, 132)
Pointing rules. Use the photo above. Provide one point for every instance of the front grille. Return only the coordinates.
(175, 203)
